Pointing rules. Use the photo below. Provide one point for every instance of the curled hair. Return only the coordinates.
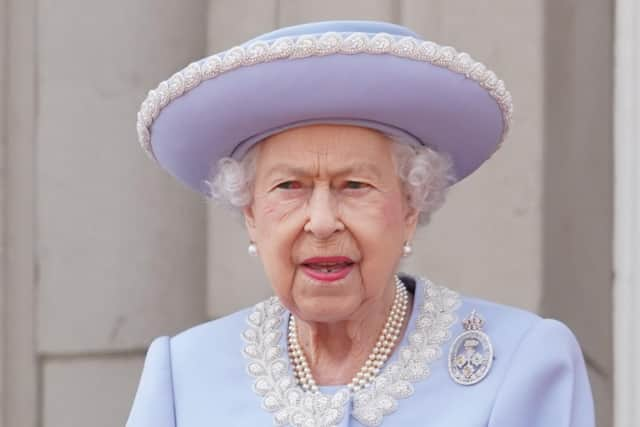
(232, 182)
(426, 175)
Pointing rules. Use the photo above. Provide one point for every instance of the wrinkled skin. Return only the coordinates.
(331, 190)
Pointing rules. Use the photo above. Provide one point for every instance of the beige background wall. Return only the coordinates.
(20, 367)
(578, 182)
(101, 251)
(3, 203)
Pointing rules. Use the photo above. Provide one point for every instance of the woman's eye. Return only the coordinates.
(289, 185)
(355, 185)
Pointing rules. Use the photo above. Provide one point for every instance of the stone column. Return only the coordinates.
(627, 214)
(121, 246)
(19, 275)
(578, 182)
(3, 197)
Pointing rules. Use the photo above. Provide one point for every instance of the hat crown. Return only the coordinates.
(338, 27)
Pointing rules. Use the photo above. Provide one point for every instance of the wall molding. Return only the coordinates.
(627, 213)
(3, 200)
(20, 367)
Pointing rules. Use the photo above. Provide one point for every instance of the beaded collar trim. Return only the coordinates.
(267, 363)
(329, 43)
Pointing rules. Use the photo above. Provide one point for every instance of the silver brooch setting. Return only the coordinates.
(471, 354)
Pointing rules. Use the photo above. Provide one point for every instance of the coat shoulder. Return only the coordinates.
(516, 322)
(497, 312)
(216, 329)
(524, 341)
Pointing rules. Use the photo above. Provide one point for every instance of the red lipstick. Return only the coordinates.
(327, 269)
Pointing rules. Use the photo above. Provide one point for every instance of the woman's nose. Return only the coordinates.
(323, 219)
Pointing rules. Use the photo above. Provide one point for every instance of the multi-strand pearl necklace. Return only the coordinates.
(377, 357)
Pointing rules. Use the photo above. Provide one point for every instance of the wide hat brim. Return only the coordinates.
(370, 74)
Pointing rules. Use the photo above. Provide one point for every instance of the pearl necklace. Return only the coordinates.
(377, 357)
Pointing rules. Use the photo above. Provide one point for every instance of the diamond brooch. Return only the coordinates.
(471, 354)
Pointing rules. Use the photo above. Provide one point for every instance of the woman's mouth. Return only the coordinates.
(327, 269)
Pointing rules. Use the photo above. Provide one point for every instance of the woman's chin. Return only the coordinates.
(316, 303)
(331, 300)
(320, 313)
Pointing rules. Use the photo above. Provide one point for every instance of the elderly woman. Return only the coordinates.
(335, 140)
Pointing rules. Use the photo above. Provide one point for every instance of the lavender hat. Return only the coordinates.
(372, 74)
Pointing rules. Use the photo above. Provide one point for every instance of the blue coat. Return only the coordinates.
(234, 371)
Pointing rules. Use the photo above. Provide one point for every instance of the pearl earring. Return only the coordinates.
(407, 249)
(252, 249)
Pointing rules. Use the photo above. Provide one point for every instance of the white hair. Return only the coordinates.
(426, 176)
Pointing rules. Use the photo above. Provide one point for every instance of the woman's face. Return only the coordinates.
(329, 218)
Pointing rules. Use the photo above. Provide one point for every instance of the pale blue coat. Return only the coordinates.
(199, 377)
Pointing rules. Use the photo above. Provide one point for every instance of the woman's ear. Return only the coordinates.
(249, 222)
(411, 223)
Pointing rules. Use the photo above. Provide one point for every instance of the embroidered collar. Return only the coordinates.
(281, 395)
